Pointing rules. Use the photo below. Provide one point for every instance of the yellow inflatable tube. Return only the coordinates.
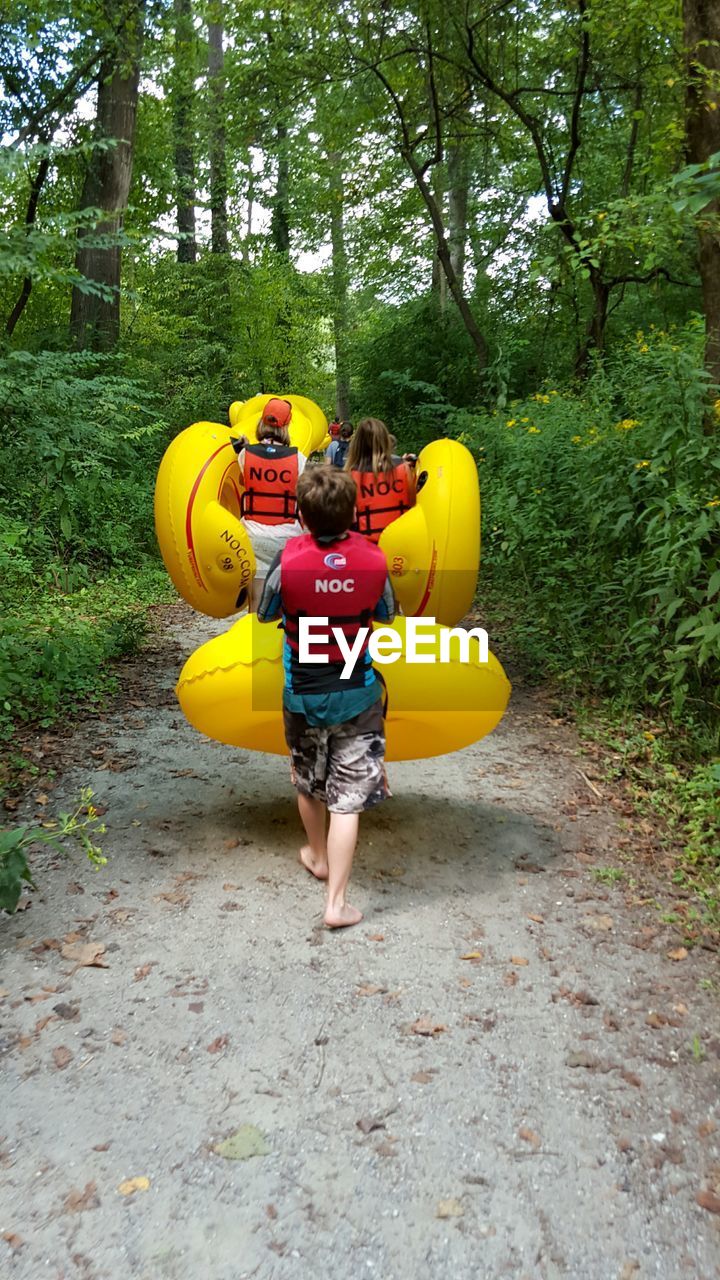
(204, 544)
(433, 551)
(230, 689)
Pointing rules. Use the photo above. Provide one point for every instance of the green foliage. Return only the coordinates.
(81, 826)
(78, 440)
(57, 649)
(601, 521)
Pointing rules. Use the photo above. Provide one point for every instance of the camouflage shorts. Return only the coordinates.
(341, 764)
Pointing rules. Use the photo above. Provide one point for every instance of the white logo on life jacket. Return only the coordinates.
(335, 561)
(334, 585)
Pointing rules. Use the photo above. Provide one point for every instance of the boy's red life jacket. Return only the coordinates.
(342, 581)
(270, 472)
(381, 499)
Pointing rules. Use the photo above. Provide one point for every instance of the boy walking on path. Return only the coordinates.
(334, 728)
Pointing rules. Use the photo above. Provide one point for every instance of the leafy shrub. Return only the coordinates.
(80, 826)
(601, 524)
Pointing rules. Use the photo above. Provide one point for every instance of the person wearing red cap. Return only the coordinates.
(269, 472)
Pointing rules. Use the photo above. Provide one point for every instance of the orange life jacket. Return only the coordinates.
(270, 472)
(381, 499)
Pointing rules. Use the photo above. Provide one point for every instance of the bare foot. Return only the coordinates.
(317, 867)
(341, 917)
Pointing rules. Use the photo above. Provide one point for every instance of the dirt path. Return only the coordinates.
(499, 1073)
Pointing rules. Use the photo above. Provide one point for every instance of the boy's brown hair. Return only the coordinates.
(326, 498)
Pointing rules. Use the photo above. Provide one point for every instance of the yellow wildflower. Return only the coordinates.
(541, 399)
(510, 422)
(649, 737)
(644, 349)
(524, 419)
(645, 463)
(601, 216)
(577, 439)
(627, 424)
(538, 490)
(717, 408)
(533, 431)
(714, 502)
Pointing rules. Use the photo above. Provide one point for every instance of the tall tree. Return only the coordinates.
(95, 309)
(216, 109)
(182, 98)
(339, 286)
(702, 39)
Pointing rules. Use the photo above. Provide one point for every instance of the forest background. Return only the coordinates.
(497, 222)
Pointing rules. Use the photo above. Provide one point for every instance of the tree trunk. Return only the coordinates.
(218, 163)
(443, 253)
(280, 223)
(439, 279)
(457, 209)
(702, 38)
(595, 336)
(183, 131)
(340, 288)
(35, 189)
(95, 317)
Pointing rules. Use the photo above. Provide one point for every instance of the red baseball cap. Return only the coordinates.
(277, 413)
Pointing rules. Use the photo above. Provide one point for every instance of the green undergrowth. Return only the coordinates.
(58, 648)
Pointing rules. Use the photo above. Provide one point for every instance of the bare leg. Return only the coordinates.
(313, 855)
(341, 842)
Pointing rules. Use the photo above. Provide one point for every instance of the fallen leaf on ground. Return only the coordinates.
(631, 1078)
(423, 1077)
(656, 1020)
(376, 937)
(449, 1209)
(708, 1200)
(61, 1057)
(706, 1127)
(143, 970)
(197, 1006)
(246, 1142)
(536, 918)
(599, 923)
(118, 1036)
(230, 887)
(519, 960)
(74, 887)
(15, 1241)
(102, 1146)
(528, 1135)
(510, 978)
(232, 843)
(69, 1012)
(42, 1022)
(41, 799)
(220, 1042)
(472, 955)
(77, 1201)
(368, 1124)
(369, 989)
(176, 898)
(678, 953)
(131, 1185)
(582, 1059)
(426, 1027)
(86, 955)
